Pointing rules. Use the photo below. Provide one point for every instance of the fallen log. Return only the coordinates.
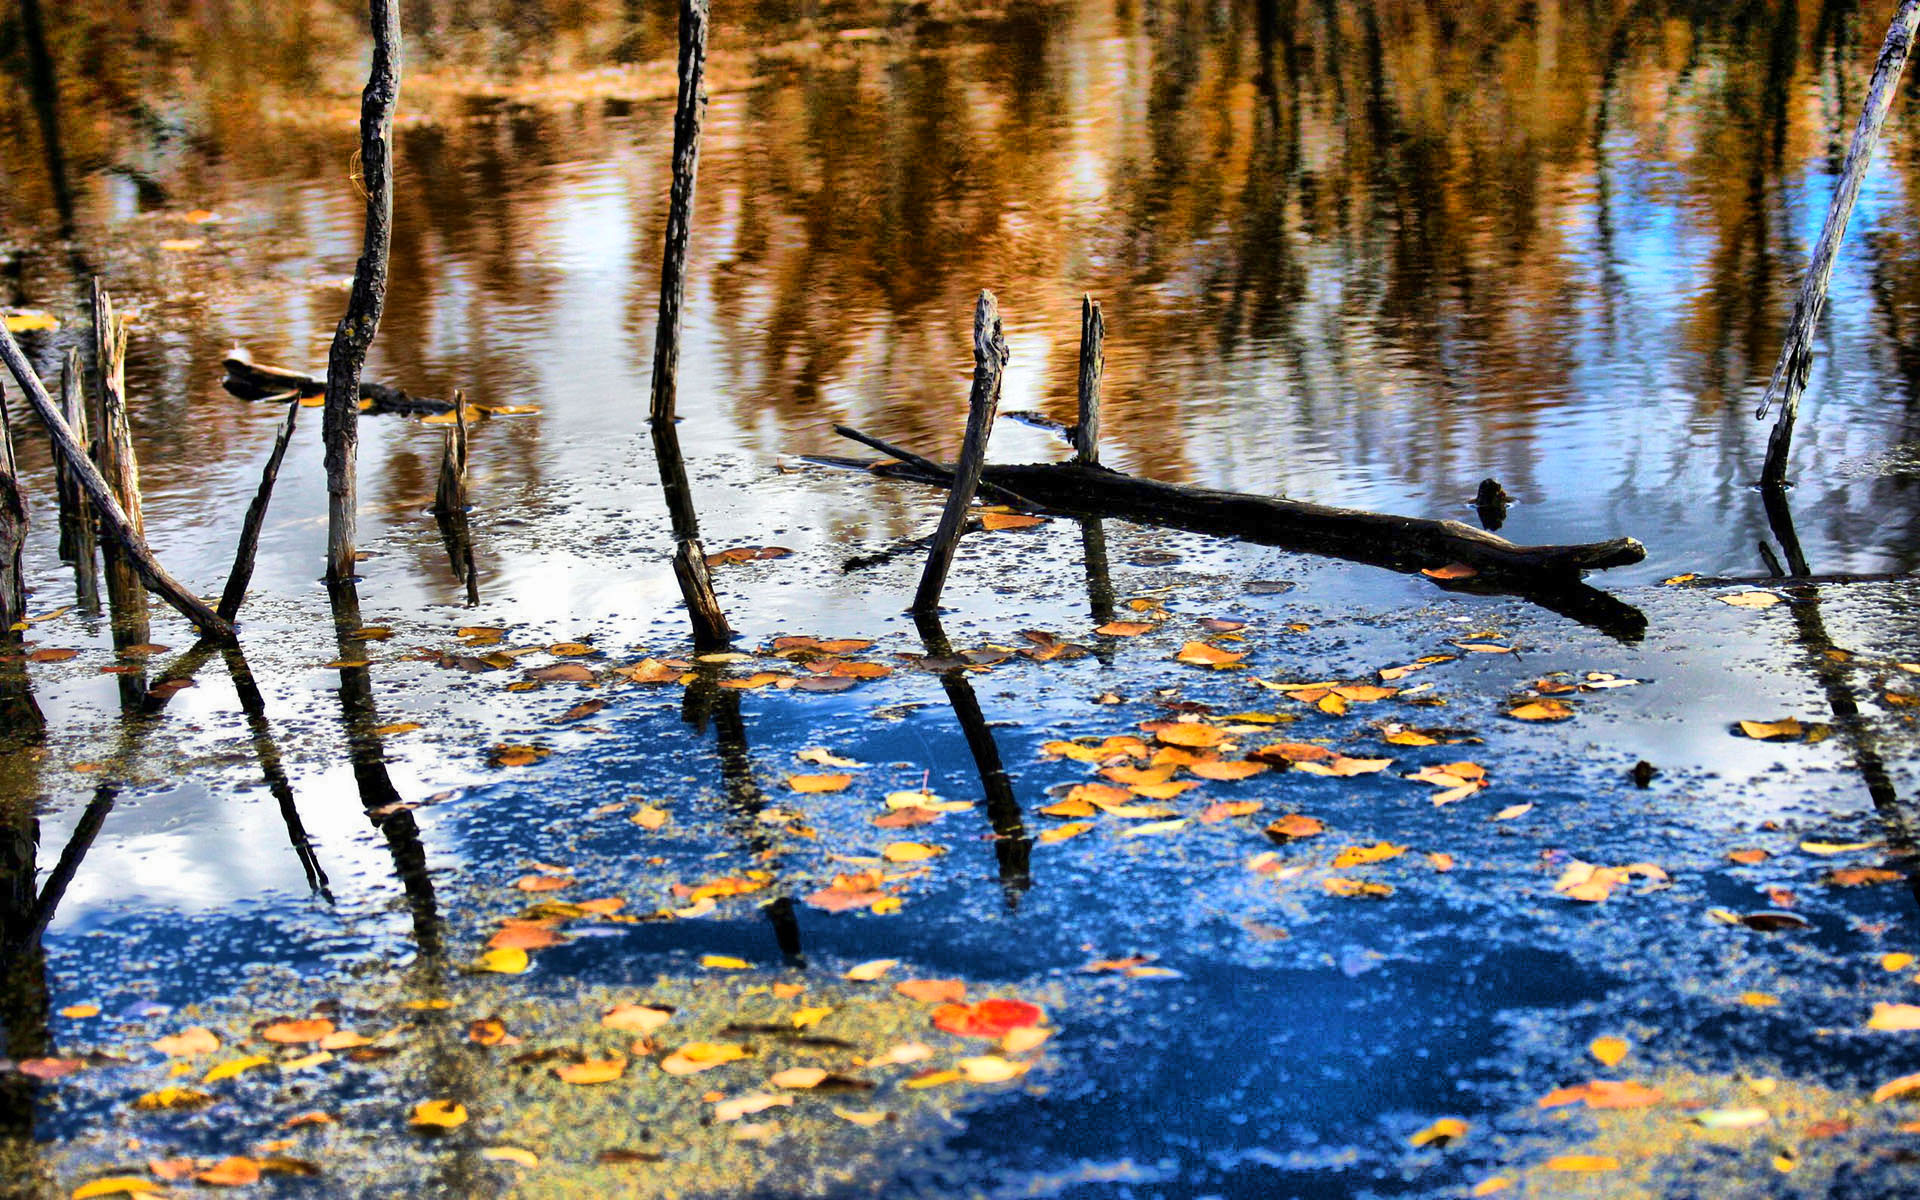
(250, 380)
(1397, 543)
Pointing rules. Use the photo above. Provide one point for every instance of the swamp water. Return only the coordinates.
(1360, 254)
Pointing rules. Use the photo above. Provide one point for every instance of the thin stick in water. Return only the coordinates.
(242, 573)
(1093, 362)
(989, 361)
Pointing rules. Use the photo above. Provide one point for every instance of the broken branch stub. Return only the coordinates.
(242, 573)
(1796, 352)
(983, 404)
(1093, 363)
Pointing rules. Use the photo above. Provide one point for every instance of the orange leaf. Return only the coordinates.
(933, 991)
(293, 1033)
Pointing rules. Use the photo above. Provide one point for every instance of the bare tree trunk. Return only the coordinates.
(13, 537)
(1093, 363)
(340, 429)
(989, 360)
(1796, 353)
(710, 630)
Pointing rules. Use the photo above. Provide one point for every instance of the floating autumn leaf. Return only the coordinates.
(1862, 876)
(513, 1154)
(695, 1057)
(740, 1106)
(1731, 1118)
(871, 970)
(570, 672)
(188, 1043)
(507, 960)
(1609, 1050)
(1748, 857)
(993, 1018)
(740, 554)
(592, 1070)
(906, 852)
(1452, 570)
(1343, 767)
(1905, 1085)
(1164, 791)
(925, 800)
(31, 322)
(1440, 1133)
(1772, 731)
(489, 1031)
(50, 1068)
(1588, 882)
(821, 757)
(1365, 889)
(1894, 1018)
(933, 991)
(172, 1098)
(235, 1066)
(991, 1068)
(1227, 772)
(724, 962)
(1125, 628)
(1357, 856)
(294, 1033)
(819, 783)
(118, 1185)
(517, 756)
(1900, 960)
(235, 1171)
(542, 883)
(798, 1078)
(1061, 833)
(80, 1011)
(1541, 710)
(996, 521)
(649, 670)
(1292, 752)
(1223, 810)
(1295, 826)
(1604, 1094)
(636, 1018)
(1583, 1162)
(1513, 812)
(431, 1115)
(1750, 599)
(1200, 654)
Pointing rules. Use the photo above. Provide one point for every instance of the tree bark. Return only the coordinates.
(1796, 352)
(340, 418)
(983, 404)
(13, 538)
(1093, 364)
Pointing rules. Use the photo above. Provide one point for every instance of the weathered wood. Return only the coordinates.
(76, 515)
(914, 460)
(113, 519)
(710, 629)
(242, 573)
(113, 452)
(1399, 543)
(1093, 364)
(340, 430)
(450, 494)
(259, 381)
(13, 537)
(1796, 352)
(989, 362)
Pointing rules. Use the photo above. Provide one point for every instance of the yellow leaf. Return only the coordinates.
(869, 971)
(1750, 599)
(118, 1185)
(1441, 1132)
(798, 1078)
(508, 960)
(1061, 833)
(1609, 1050)
(810, 1016)
(188, 1043)
(1898, 961)
(173, 1097)
(1354, 856)
(725, 962)
(1583, 1162)
(512, 1154)
(649, 817)
(1759, 1000)
(753, 1102)
(182, 245)
(636, 1018)
(1894, 1017)
(593, 1070)
(317, 1058)
(1512, 811)
(1491, 1185)
(1772, 731)
(1731, 1118)
(991, 1068)
(926, 800)
(1200, 654)
(905, 852)
(80, 1011)
(1830, 848)
(1903, 1086)
(437, 1114)
(1541, 710)
(934, 1079)
(695, 1057)
(866, 1120)
(31, 322)
(819, 783)
(1340, 885)
(234, 1171)
(232, 1067)
(994, 521)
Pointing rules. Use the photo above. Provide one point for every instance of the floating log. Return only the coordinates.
(258, 381)
(1398, 543)
(339, 427)
(989, 362)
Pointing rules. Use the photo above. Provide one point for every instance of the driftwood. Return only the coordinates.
(258, 381)
(928, 466)
(113, 519)
(339, 422)
(113, 452)
(710, 629)
(242, 573)
(989, 362)
(1796, 352)
(76, 515)
(1093, 364)
(13, 537)
(1399, 543)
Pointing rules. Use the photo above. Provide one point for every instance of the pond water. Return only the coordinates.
(1363, 254)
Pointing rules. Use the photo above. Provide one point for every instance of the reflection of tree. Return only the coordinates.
(23, 968)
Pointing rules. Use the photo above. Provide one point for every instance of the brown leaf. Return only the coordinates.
(933, 991)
